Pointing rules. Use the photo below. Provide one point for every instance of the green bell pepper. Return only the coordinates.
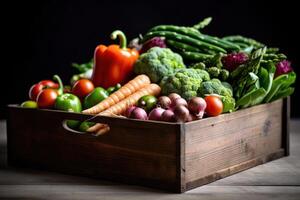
(67, 102)
(95, 97)
(112, 89)
(84, 126)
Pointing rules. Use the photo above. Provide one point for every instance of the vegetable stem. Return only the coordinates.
(121, 36)
(60, 90)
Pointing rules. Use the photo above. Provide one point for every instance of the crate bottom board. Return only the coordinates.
(235, 169)
(156, 184)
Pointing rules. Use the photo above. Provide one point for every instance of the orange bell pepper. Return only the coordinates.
(114, 63)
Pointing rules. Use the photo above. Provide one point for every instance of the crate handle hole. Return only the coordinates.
(73, 130)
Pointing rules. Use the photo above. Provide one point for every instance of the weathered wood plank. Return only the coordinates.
(234, 169)
(218, 144)
(275, 180)
(286, 112)
(171, 156)
(145, 155)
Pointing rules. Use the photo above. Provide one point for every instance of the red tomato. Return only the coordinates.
(214, 106)
(46, 98)
(49, 83)
(37, 88)
(82, 88)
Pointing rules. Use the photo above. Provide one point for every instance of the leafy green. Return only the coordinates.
(260, 87)
(240, 76)
(84, 66)
(281, 87)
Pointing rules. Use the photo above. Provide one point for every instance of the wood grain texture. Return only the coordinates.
(286, 113)
(144, 155)
(218, 144)
(172, 156)
(279, 179)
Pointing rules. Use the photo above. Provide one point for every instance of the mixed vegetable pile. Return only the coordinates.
(171, 73)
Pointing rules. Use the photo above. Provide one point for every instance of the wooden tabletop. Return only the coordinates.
(279, 179)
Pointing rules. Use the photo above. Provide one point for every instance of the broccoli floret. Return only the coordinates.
(158, 62)
(228, 86)
(214, 86)
(184, 82)
(228, 103)
(199, 65)
(224, 74)
(215, 61)
(214, 72)
(224, 89)
(202, 74)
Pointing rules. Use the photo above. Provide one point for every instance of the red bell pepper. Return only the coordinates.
(114, 63)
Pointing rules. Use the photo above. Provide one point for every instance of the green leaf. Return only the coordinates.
(248, 99)
(265, 79)
(280, 83)
(283, 93)
(83, 67)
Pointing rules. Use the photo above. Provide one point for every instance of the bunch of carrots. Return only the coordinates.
(119, 101)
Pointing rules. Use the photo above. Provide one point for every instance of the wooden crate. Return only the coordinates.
(172, 156)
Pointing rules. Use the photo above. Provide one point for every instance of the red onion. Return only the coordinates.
(197, 106)
(179, 101)
(156, 113)
(168, 116)
(181, 113)
(174, 96)
(138, 113)
(192, 117)
(164, 102)
(128, 111)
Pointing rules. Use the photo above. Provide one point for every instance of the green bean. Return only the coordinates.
(181, 46)
(193, 56)
(241, 45)
(272, 56)
(272, 50)
(185, 39)
(203, 23)
(191, 32)
(245, 40)
(222, 43)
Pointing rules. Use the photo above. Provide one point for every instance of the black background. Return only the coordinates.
(45, 37)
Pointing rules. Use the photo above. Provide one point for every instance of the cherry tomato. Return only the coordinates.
(214, 106)
(37, 88)
(49, 83)
(46, 98)
(82, 88)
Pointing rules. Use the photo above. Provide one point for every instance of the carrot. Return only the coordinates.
(103, 130)
(96, 127)
(125, 91)
(119, 108)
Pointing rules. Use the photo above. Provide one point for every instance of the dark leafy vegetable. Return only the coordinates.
(281, 87)
(84, 66)
(240, 76)
(259, 89)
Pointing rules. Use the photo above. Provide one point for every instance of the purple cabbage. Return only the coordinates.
(283, 67)
(233, 60)
(153, 42)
